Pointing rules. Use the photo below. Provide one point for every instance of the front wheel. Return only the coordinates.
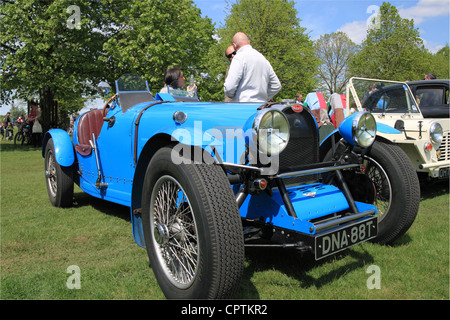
(192, 229)
(397, 188)
(59, 179)
(391, 184)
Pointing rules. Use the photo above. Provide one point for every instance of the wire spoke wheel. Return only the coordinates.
(382, 185)
(50, 174)
(59, 179)
(174, 232)
(192, 228)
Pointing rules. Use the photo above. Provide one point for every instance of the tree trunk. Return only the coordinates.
(49, 108)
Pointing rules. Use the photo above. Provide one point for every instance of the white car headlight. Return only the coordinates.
(364, 129)
(271, 131)
(436, 133)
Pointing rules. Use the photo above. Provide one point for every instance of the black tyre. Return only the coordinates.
(192, 229)
(397, 190)
(393, 187)
(59, 179)
(18, 138)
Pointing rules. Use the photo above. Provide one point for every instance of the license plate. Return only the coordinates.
(443, 173)
(341, 239)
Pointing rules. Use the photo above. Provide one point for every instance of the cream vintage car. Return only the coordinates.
(424, 140)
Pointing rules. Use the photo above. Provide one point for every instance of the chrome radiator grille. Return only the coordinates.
(303, 147)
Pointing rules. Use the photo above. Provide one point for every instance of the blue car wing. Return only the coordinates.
(64, 153)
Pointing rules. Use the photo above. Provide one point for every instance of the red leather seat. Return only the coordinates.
(90, 123)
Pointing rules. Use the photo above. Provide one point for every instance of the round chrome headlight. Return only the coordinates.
(271, 131)
(436, 133)
(364, 129)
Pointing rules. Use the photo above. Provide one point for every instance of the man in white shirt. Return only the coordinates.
(251, 77)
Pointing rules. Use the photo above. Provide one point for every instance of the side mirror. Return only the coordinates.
(399, 125)
(104, 88)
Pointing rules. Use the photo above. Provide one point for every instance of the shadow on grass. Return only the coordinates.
(8, 146)
(430, 190)
(82, 199)
(291, 263)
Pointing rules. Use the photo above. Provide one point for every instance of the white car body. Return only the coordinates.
(429, 157)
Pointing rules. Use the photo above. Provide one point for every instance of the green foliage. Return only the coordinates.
(49, 53)
(392, 50)
(156, 35)
(41, 47)
(440, 63)
(50, 50)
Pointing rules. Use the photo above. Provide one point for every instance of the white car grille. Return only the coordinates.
(444, 148)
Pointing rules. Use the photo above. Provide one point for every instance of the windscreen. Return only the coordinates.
(382, 97)
(132, 90)
(131, 82)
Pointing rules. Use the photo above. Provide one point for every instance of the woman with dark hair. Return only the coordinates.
(174, 79)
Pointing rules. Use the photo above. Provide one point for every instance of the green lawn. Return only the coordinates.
(39, 243)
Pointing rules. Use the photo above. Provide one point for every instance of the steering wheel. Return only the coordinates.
(105, 107)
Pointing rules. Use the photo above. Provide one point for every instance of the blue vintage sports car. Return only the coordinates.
(203, 180)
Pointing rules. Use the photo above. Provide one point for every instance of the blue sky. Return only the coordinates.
(350, 16)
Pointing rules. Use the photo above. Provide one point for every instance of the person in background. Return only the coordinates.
(229, 53)
(251, 77)
(299, 98)
(8, 126)
(36, 128)
(430, 76)
(174, 79)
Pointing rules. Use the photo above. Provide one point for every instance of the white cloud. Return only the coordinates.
(433, 47)
(356, 30)
(426, 9)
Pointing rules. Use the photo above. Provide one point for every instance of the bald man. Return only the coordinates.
(251, 77)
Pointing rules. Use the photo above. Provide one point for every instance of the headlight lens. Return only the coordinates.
(364, 129)
(272, 132)
(436, 133)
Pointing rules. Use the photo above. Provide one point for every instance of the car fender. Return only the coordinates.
(326, 144)
(64, 153)
(192, 135)
(384, 128)
(186, 135)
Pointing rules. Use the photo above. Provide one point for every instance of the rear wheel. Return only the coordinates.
(59, 179)
(192, 229)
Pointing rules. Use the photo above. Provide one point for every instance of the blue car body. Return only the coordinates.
(285, 196)
(124, 148)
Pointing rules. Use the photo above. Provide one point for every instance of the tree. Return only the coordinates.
(155, 35)
(50, 49)
(59, 50)
(274, 30)
(335, 50)
(440, 63)
(392, 49)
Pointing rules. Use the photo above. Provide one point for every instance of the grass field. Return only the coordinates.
(40, 243)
